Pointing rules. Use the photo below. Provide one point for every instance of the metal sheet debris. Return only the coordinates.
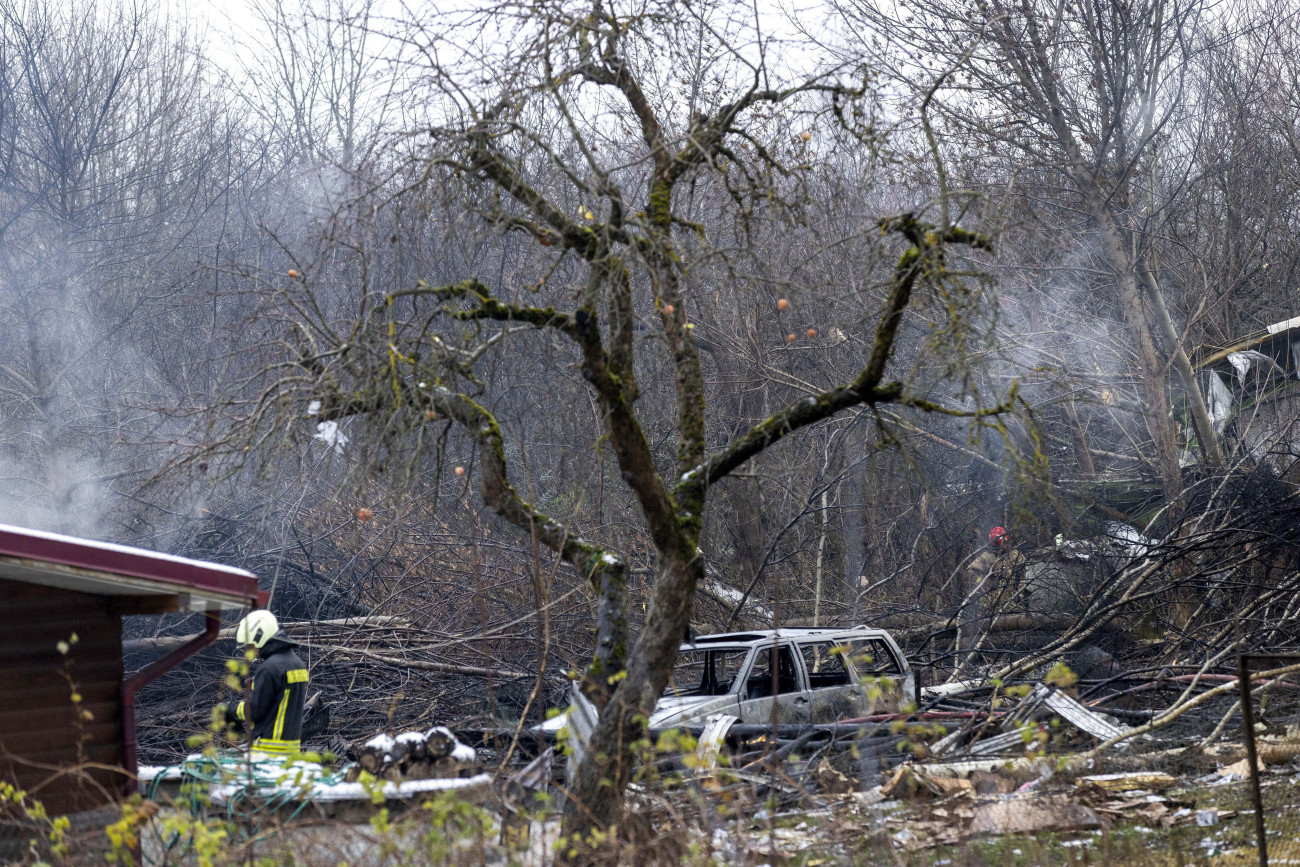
(1076, 714)
(956, 687)
(711, 741)
(1013, 740)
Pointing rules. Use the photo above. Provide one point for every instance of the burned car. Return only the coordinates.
(784, 676)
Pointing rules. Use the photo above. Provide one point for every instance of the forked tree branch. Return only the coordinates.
(924, 257)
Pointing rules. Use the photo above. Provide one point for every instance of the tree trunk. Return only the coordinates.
(1154, 369)
(611, 631)
(854, 529)
(594, 808)
(1205, 432)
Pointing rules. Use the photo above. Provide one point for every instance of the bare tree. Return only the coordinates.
(582, 144)
(110, 141)
(1093, 91)
(319, 75)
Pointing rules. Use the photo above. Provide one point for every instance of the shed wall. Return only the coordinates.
(39, 729)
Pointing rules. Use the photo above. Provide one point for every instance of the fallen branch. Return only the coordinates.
(1001, 623)
(1178, 710)
(444, 667)
(167, 642)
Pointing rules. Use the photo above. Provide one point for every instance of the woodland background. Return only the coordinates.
(157, 194)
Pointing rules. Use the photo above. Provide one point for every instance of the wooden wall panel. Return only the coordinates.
(39, 730)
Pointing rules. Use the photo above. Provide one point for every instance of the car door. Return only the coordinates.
(833, 691)
(880, 677)
(774, 689)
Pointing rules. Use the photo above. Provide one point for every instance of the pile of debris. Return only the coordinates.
(432, 755)
(963, 727)
(1025, 728)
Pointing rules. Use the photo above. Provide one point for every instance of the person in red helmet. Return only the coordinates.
(990, 585)
(996, 559)
(1006, 566)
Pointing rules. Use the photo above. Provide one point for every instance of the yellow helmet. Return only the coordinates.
(257, 628)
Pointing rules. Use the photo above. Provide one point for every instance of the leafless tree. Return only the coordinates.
(110, 146)
(580, 142)
(1096, 94)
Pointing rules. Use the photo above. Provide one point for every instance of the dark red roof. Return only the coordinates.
(161, 572)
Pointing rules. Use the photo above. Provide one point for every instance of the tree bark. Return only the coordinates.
(1154, 370)
(595, 807)
(1205, 432)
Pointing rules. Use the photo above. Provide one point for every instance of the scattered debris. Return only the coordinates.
(1076, 714)
(1021, 730)
(1130, 781)
(830, 780)
(998, 744)
(988, 783)
(1239, 769)
(1038, 813)
(909, 780)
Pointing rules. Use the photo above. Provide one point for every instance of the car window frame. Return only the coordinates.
(850, 672)
(900, 670)
(769, 644)
(744, 665)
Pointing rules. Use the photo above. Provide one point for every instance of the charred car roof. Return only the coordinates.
(789, 633)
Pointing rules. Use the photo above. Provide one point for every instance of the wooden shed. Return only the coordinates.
(52, 587)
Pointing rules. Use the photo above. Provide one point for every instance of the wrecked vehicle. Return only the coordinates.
(786, 676)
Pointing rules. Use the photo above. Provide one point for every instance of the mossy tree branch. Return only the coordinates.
(604, 569)
(924, 258)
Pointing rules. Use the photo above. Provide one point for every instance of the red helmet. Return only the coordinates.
(999, 537)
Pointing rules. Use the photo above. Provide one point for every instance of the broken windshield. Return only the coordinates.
(705, 672)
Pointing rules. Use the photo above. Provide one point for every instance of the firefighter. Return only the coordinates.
(990, 585)
(273, 715)
(999, 538)
(999, 565)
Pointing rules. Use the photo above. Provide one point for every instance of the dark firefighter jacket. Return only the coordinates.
(274, 713)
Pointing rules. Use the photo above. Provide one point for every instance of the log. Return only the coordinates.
(409, 747)
(444, 769)
(370, 760)
(435, 754)
(421, 770)
(439, 742)
(167, 642)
